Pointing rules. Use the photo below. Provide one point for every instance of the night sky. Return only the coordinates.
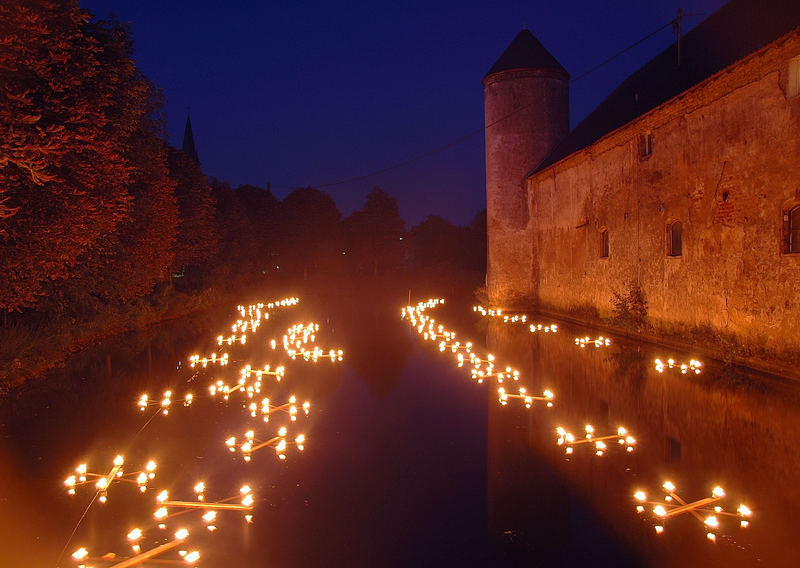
(311, 93)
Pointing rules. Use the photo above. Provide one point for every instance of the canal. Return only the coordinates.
(406, 460)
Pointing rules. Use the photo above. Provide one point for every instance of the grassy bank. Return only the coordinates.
(32, 344)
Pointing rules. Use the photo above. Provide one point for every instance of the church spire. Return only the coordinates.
(188, 141)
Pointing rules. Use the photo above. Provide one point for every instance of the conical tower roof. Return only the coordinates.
(188, 141)
(526, 52)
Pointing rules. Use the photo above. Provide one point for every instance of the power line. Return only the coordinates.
(624, 51)
(418, 157)
(484, 128)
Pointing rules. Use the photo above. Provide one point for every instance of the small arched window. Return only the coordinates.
(793, 232)
(675, 238)
(604, 243)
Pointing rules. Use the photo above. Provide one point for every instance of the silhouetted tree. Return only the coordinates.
(309, 231)
(436, 242)
(446, 258)
(230, 221)
(477, 237)
(197, 239)
(439, 243)
(261, 208)
(374, 235)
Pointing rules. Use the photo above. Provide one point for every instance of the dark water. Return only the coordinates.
(408, 461)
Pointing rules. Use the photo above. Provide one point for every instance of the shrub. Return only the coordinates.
(630, 308)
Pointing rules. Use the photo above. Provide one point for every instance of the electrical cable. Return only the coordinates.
(478, 130)
(85, 511)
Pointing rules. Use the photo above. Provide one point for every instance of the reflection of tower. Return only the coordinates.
(527, 505)
(188, 141)
(526, 105)
(544, 510)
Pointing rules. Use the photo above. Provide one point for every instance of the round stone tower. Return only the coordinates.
(526, 107)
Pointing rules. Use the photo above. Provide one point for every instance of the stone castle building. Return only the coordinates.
(684, 185)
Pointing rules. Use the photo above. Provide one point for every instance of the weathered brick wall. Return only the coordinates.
(725, 162)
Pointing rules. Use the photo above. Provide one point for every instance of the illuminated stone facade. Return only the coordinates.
(721, 158)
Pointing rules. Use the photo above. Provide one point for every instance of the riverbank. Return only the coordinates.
(36, 343)
(33, 345)
(702, 342)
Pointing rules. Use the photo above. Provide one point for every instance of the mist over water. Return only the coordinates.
(408, 461)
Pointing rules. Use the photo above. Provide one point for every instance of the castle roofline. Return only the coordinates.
(526, 52)
(738, 29)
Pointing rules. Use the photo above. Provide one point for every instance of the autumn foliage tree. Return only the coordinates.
(87, 202)
(141, 250)
(61, 174)
(97, 209)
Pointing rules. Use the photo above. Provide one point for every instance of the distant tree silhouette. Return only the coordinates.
(374, 235)
(197, 239)
(436, 242)
(446, 259)
(477, 249)
(309, 231)
(229, 217)
(261, 208)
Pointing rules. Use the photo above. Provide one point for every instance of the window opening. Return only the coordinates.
(675, 239)
(793, 85)
(645, 144)
(794, 229)
(604, 243)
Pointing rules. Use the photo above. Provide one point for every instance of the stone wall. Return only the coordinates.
(725, 161)
(527, 114)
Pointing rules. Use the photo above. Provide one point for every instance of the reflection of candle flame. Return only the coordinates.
(674, 505)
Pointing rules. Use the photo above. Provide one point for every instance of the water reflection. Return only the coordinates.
(699, 430)
(402, 443)
(377, 346)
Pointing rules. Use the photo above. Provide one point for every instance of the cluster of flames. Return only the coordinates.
(514, 318)
(486, 367)
(708, 510)
(693, 366)
(601, 341)
(481, 367)
(298, 342)
(298, 336)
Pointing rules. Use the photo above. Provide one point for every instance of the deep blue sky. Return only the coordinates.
(306, 93)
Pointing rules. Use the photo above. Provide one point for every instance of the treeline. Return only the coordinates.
(304, 238)
(96, 209)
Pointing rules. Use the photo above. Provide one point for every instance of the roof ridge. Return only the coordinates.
(734, 31)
